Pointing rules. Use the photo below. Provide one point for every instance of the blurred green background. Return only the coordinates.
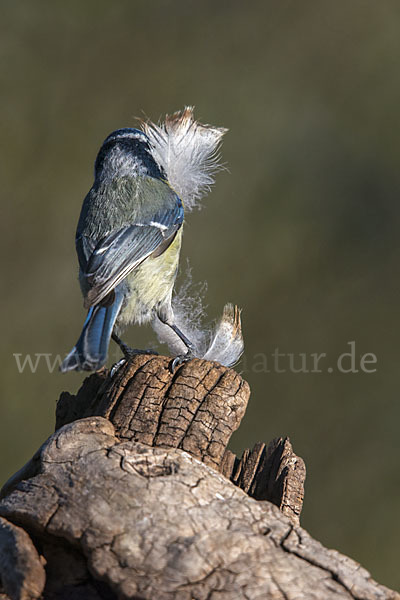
(302, 232)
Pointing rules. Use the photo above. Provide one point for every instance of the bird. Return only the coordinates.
(129, 237)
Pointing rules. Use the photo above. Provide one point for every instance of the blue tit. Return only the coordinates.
(128, 242)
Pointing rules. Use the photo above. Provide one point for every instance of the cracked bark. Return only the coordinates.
(136, 496)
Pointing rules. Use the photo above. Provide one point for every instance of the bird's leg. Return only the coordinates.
(126, 350)
(181, 358)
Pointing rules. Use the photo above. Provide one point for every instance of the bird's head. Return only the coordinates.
(125, 152)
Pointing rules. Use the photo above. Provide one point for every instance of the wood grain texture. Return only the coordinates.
(21, 570)
(271, 473)
(196, 409)
(136, 497)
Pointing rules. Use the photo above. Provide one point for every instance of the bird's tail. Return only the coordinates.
(90, 352)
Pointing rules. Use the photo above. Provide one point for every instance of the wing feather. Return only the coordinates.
(123, 250)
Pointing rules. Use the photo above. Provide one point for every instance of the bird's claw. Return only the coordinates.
(128, 354)
(117, 366)
(179, 360)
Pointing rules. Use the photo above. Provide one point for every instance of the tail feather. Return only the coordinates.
(90, 352)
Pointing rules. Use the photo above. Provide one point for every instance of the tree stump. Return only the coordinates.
(136, 496)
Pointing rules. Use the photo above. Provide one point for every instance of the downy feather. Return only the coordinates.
(222, 342)
(188, 152)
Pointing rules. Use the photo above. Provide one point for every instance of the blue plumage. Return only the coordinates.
(92, 347)
(129, 236)
(127, 244)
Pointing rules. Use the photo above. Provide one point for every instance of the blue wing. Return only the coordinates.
(106, 264)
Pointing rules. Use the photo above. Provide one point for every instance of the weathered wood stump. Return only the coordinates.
(136, 496)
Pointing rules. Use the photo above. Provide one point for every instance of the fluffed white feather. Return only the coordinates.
(227, 341)
(189, 315)
(188, 152)
(222, 342)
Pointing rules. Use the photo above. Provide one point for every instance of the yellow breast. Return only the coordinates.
(151, 285)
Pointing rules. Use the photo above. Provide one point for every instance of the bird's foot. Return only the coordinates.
(130, 352)
(180, 359)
